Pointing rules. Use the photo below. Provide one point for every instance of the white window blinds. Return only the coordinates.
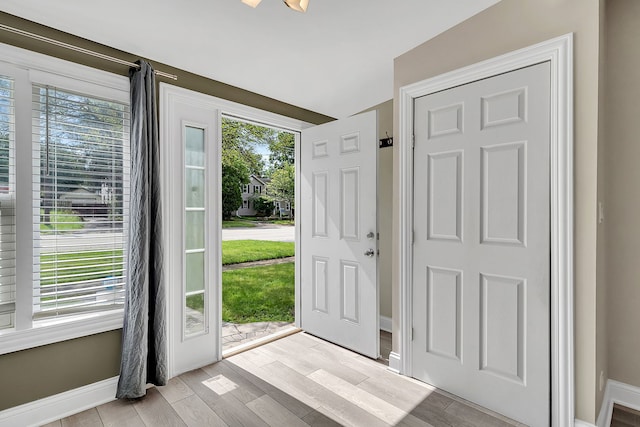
(7, 204)
(80, 182)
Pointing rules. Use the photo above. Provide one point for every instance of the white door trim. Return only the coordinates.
(559, 52)
(170, 94)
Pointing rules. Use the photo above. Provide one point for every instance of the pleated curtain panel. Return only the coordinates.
(144, 352)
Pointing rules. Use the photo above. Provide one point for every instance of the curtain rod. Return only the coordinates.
(80, 49)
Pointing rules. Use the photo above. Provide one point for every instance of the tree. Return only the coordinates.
(234, 174)
(243, 137)
(81, 147)
(282, 185)
(282, 150)
(263, 206)
(239, 160)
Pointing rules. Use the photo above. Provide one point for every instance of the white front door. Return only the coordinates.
(190, 151)
(337, 214)
(481, 272)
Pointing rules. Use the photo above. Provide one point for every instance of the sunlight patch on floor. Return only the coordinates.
(220, 384)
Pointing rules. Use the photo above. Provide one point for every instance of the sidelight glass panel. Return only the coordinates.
(195, 289)
(194, 146)
(194, 318)
(194, 230)
(195, 271)
(194, 187)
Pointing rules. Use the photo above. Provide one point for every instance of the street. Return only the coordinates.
(94, 241)
(278, 233)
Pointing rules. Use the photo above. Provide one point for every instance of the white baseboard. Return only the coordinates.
(61, 405)
(385, 324)
(580, 423)
(620, 393)
(394, 362)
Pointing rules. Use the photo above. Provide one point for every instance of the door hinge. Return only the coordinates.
(413, 237)
(412, 333)
(413, 141)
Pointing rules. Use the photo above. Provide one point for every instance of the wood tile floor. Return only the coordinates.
(624, 417)
(299, 380)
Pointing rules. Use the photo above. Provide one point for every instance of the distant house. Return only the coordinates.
(282, 209)
(256, 187)
(81, 196)
(84, 202)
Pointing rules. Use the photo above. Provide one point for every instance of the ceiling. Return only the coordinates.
(336, 59)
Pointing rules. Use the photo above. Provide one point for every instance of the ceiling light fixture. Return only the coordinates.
(252, 3)
(298, 5)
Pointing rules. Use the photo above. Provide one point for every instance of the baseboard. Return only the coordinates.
(394, 362)
(620, 393)
(61, 405)
(580, 423)
(385, 324)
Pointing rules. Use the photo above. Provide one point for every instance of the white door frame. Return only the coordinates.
(170, 94)
(559, 52)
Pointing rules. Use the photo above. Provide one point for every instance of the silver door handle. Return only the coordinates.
(370, 253)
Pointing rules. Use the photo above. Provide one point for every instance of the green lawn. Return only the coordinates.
(94, 265)
(61, 220)
(238, 222)
(250, 221)
(236, 251)
(282, 221)
(259, 294)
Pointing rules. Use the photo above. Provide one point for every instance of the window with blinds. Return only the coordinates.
(7, 205)
(81, 150)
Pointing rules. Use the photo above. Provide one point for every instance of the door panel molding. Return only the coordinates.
(559, 53)
(338, 220)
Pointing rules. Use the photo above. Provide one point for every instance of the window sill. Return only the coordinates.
(52, 331)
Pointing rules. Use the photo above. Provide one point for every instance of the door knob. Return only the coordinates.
(370, 252)
(370, 235)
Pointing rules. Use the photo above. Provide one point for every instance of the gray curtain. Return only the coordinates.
(144, 353)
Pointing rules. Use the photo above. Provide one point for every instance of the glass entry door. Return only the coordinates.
(191, 187)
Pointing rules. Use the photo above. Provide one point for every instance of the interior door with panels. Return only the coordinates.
(339, 285)
(481, 269)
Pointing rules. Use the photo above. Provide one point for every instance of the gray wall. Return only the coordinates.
(44, 371)
(504, 27)
(621, 191)
(385, 205)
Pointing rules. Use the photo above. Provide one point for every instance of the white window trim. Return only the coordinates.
(57, 70)
(34, 68)
(51, 331)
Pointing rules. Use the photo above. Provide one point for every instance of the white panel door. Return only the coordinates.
(338, 258)
(481, 267)
(191, 185)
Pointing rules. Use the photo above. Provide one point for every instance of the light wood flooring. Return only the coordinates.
(299, 380)
(624, 417)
